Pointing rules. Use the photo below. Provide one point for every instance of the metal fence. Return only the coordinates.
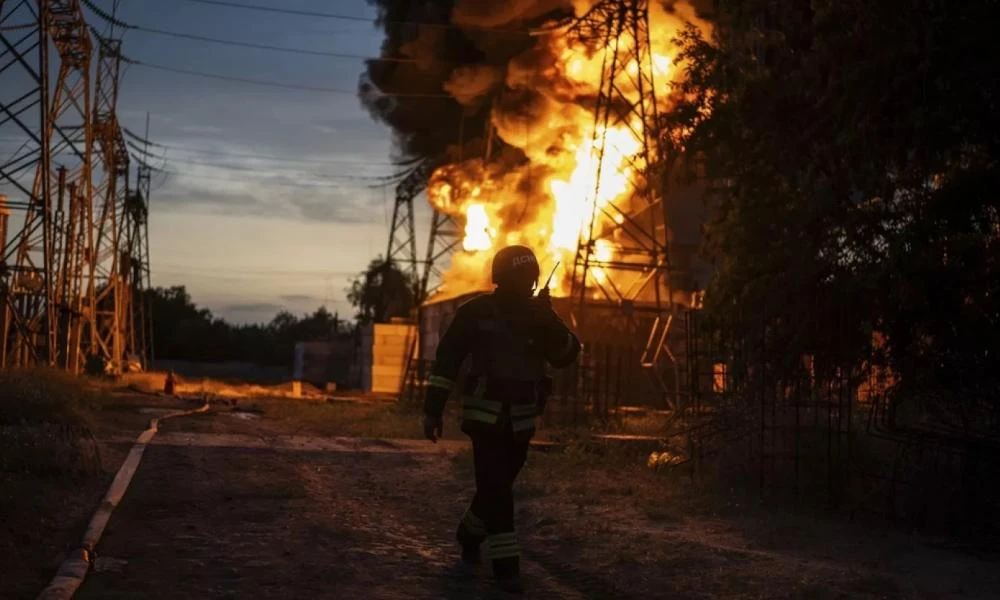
(813, 429)
(824, 428)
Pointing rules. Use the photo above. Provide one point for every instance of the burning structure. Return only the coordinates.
(581, 177)
(570, 165)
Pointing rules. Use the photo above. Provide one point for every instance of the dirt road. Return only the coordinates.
(220, 516)
(238, 506)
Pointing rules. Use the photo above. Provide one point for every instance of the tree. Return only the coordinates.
(381, 292)
(855, 155)
(180, 328)
(182, 331)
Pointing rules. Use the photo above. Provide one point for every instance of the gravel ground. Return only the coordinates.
(242, 522)
(257, 506)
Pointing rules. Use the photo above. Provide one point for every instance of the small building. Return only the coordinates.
(325, 364)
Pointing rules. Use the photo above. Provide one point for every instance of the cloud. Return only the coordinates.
(212, 129)
(259, 307)
(338, 206)
(294, 298)
(258, 191)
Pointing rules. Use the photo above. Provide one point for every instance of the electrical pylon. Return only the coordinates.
(113, 302)
(628, 282)
(28, 335)
(446, 233)
(48, 293)
(402, 248)
(445, 238)
(140, 340)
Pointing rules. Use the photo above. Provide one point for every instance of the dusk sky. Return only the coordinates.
(250, 236)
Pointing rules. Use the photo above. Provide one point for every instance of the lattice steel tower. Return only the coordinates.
(110, 258)
(48, 289)
(402, 248)
(136, 259)
(622, 269)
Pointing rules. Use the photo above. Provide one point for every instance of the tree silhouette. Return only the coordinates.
(381, 292)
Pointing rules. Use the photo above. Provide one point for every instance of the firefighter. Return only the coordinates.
(508, 337)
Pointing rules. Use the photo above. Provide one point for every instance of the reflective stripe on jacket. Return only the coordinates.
(509, 351)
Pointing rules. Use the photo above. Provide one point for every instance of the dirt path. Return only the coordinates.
(244, 506)
(207, 517)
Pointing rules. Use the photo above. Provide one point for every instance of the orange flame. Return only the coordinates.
(479, 233)
(566, 160)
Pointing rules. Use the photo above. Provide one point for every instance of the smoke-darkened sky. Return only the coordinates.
(247, 235)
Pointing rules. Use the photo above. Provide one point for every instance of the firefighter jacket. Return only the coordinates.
(507, 343)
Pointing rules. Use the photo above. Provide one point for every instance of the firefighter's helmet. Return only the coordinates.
(515, 263)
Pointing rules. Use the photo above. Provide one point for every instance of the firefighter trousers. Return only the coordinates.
(498, 458)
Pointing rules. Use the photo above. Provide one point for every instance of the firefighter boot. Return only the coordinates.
(507, 573)
(470, 546)
(511, 585)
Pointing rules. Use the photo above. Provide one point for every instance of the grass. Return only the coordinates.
(387, 420)
(45, 424)
(369, 420)
(34, 396)
(654, 528)
(51, 471)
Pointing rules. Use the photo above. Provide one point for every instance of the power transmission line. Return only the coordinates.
(275, 157)
(279, 84)
(307, 173)
(359, 19)
(285, 49)
(114, 21)
(234, 78)
(287, 184)
(194, 269)
(286, 11)
(139, 138)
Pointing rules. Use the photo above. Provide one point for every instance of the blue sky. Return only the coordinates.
(262, 235)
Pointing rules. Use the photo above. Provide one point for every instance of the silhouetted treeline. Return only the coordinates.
(855, 165)
(183, 331)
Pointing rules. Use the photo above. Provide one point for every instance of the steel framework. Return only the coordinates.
(402, 248)
(136, 269)
(625, 287)
(445, 237)
(48, 296)
(62, 291)
(111, 256)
